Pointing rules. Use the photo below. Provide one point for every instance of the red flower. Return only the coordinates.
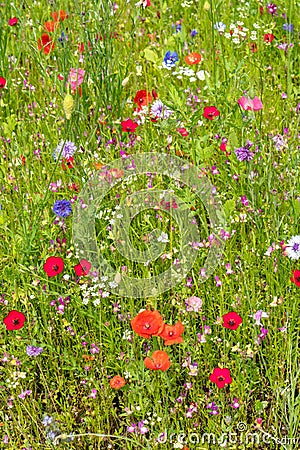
(46, 43)
(221, 377)
(171, 334)
(62, 16)
(192, 58)
(253, 47)
(14, 320)
(182, 131)
(269, 37)
(67, 163)
(82, 268)
(147, 323)
(50, 26)
(2, 82)
(13, 21)
(232, 320)
(296, 278)
(159, 361)
(129, 126)
(53, 266)
(210, 112)
(142, 98)
(117, 382)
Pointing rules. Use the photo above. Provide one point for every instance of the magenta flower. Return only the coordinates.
(250, 105)
(75, 77)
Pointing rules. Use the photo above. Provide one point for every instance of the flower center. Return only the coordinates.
(171, 333)
(16, 321)
(55, 267)
(231, 322)
(147, 326)
(296, 247)
(220, 378)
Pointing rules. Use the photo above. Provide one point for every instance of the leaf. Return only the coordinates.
(229, 207)
(296, 207)
(150, 55)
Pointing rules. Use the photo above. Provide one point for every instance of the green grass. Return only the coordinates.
(123, 53)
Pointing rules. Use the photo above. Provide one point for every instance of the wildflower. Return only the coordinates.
(182, 131)
(193, 33)
(192, 58)
(75, 78)
(285, 46)
(147, 323)
(31, 350)
(296, 278)
(2, 82)
(67, 163)
(250, 105)
(142, 98)
(117, 382)
(13, 21)
(210, 112)
(170, 59)
(24, 393)
(193, 304)
(53, 266)
(82, 268)
(221, 377)
(259, 315)
(232, 320)
(214, 409)
(45, 43)
(262, 335)
(64, 150)
(220, 27)
(14, 320)
(158, 361)
(62, 208)
(160, 111)
(93, 393)
(272, 8)
(171, 334)
(268, 38)
(293, 247)
(68, 106)
(61, 15)
(128, 126)
(244, 153)
(142, 428)
(289, 27)
(235, 404)
(50, 26)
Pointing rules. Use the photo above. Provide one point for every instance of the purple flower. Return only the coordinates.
(31, 350)
(289, 27)
(193, 33)
(244, 153)
(62, 208)
(272, 8)
(160, 111)
(235, 403)
(65, 149)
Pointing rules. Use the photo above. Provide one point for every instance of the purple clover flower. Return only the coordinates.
(31, 350)
(244, 153)
(62, 208)
(65, 149)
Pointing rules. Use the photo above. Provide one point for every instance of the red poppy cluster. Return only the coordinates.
(54, 265)
(150, 323)
(45, 42)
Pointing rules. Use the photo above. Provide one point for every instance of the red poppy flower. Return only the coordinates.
(142, 98)
(269, 37)
(296, 278)
(13, 21)
(171, 334)
(253, 47)
(82, 268)
(147, 323)
(159, 361)
(232, 320)
(210, 112)
(117, 382)
(46, 43)
(2, 82)
(67, 163)
(50, 26)
(129, 126)
(62, 15)
(182, 131)
(192, 58)
(14, 320)
(221, 377)
(53, 266)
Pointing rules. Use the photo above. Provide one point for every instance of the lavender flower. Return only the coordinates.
(62, 208)
(289, 27)
(65, 149)
(31, 350)
(160, 111)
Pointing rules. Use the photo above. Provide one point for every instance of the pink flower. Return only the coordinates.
(75, 77)
(250, 105)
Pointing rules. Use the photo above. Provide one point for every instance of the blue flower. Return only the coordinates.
(289, 27)
(170, 59)
(62, 208)
(193, 33)
(65, 149)
(33, 351)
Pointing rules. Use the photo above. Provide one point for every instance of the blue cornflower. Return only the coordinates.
(62, 208)
(170, 59)
(31, 350)
(289, 27)
(193, 33)
(47, 420)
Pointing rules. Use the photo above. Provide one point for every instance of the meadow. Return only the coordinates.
(149, 224)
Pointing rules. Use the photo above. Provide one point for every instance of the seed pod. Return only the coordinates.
(68, 106)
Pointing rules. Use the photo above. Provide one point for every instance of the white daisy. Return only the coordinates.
(293, 247)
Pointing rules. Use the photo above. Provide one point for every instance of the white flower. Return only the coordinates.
(293, 247)
(163, 237)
